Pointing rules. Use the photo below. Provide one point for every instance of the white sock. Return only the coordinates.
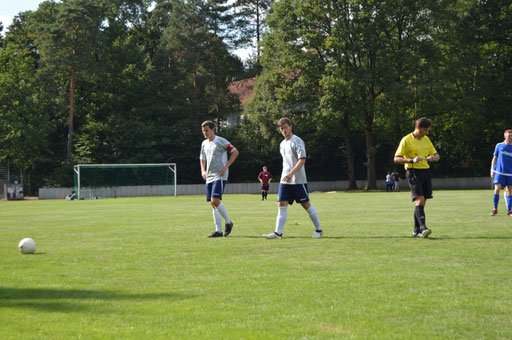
(224, 213)
(505, 197)
(217, 219)
(281, 219)
(313, 215)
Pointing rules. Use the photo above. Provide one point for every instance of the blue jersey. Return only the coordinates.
(504, 162)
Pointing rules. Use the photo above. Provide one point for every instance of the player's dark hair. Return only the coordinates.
(284, 120)
(423, 122)
(208, 123)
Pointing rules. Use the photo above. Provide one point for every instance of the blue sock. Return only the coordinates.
(496, 201)
(509, 203)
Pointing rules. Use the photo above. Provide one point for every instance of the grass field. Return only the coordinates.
(144, 268)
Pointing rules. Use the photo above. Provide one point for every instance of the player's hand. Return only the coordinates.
(203, 174)
(492, 173)
(222, 171)
(417, 159)
(431, 158)
(286, 178)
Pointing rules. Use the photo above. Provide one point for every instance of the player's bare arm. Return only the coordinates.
(403, 160)
(203, 169)
(296, 168)
(434, 158)
(493, 164)
(231, 160)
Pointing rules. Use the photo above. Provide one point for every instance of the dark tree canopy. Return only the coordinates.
(130, 81)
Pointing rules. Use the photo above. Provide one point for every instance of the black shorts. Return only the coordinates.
(420, 182)
(265, 187)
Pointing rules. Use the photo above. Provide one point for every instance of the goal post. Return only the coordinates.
(124, 180)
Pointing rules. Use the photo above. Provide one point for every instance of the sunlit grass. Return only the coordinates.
(144, 268)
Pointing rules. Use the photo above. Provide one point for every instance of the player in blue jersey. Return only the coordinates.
(293, 186)
(501, 172)
(214, 170)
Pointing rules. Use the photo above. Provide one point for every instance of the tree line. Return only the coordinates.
(130, 81)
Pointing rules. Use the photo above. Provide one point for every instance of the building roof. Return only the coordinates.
(243, 89)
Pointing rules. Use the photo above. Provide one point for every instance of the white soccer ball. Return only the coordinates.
(27, 246)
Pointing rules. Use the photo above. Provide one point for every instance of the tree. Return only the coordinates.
(250, 18)
(25, 125)
(70, 46)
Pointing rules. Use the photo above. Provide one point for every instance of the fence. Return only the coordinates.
(254, 188)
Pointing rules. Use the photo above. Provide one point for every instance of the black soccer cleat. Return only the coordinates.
(216, 234)
(229, 226)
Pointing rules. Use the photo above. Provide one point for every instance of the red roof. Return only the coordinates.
(243, 89)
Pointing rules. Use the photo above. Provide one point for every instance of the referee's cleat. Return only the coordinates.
(416, 233)
(216, 234)
(272, 236)
(425, 232)
(229, 226)
(318, 234)
(494, 212)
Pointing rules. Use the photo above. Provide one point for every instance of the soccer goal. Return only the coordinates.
(95, 181)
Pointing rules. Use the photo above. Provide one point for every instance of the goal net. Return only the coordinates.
(124, 180)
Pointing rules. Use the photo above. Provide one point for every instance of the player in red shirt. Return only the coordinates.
(265, 177)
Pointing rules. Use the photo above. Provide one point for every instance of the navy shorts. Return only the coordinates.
(502, 179)
(420, 182)
(293, 192)
(215, 189)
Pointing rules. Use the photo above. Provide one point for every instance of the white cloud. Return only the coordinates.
(6, 21)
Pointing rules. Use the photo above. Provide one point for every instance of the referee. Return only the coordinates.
(415, 151)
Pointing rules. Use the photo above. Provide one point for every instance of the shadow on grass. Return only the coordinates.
(47, 299)
(389, 237)
(329, 237)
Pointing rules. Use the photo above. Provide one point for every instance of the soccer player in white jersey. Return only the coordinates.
(293, 186)
(501, 172)
(214, 170)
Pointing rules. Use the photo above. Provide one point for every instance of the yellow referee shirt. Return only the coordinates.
(411, 147)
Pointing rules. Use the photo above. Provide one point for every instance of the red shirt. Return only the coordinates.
(264, 177)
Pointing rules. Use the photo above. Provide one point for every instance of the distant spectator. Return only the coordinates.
(396, 178)
(389, 182)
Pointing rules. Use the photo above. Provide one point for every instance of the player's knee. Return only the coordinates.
(306, 205)
(420, 200)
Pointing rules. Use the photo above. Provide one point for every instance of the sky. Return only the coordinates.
(10, 8)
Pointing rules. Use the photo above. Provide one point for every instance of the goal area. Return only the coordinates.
(94, 181)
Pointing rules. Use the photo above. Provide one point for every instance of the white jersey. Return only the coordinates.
(292, 150)
(215, 153)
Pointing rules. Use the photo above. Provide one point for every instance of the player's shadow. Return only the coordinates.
(471, 238)
(65, 300)
(326, 237)
(389, 237)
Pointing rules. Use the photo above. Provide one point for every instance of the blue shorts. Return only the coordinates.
(215, 189)
(293, 192)
(502, 179)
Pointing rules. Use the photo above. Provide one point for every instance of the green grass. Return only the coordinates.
(144, 268)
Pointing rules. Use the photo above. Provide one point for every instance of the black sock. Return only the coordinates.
(419, 213)
(416, 224)
(262, 194)
(265, 194)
